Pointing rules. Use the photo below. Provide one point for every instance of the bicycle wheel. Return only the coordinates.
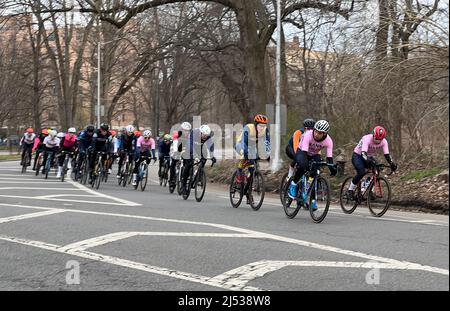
(379, 197)
(98, 175)
(38, 164)
(291, 207)
(84, 171)
(47, 167)
(64, 169)
(348, 205)
(165, 175)
(200, 185)
(24, 162)
(319, 201)
(283, 182)
(144, 177)
(179, 175)
(258, 191)
(188, 185)
(130, 172)
(236, 191)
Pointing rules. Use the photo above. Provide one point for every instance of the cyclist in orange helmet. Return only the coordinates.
(253, 144)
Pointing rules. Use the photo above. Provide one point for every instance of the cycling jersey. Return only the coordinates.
(196, 143)
(51, 142)
(84, 140)
(100, 141)
(313, 147)
(366, 144)
(126, 142)
(248, 142)
(28, 139)
(164, 149)
(68, 141)
(145, 145)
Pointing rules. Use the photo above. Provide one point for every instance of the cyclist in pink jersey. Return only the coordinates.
(144, 145)
(363, 154)
(312, 142)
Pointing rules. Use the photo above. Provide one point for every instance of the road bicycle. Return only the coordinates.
(164, 174)
(373, 189)
(313, 194)
(255, 191)
(196, 180)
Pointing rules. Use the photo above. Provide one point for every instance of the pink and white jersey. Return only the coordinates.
(145, 145)
(313, 147)
(366, 144)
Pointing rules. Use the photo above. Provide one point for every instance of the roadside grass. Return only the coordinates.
(420, 174)
(9, 157)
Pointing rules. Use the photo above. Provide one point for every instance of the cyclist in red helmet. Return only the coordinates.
(364, 152)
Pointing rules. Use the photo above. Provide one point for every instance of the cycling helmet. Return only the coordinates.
(167, 137)
(44, 132)
(104, 127)
(60, 135)
(90, 128)
(53, 133)
(379, 133)
(186, 126)
(322, 126)
(137, 134)
(205, 130)
(261, 119)
(30, 130)
(72, 130)
(130, 128)
(309, 123)
(147, 133)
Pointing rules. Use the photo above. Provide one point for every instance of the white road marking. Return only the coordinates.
(405, 220)
(413, 266)
(31, 215)
(64, 195)
(127, 264)
(240, 276)
(8, 181)
(62, 199)
(117, 236)
(36, 188)
(122, 201)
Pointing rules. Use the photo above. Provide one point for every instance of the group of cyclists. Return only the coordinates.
(307, 144)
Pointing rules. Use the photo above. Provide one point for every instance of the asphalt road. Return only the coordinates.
(64, 236)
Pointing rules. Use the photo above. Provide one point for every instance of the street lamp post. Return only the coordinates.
(276, 160)
(98, 83)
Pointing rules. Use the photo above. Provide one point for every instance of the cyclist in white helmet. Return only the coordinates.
(198, 138)
(68, 143)
(144, 145)
(125, 146)
(311, 144)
